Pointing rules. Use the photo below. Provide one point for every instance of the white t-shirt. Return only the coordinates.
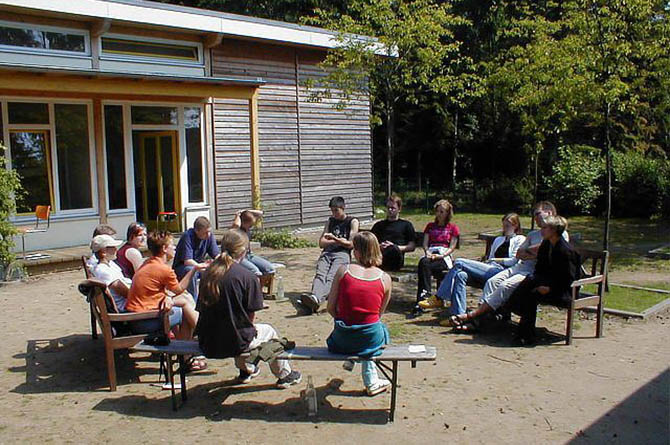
(109, 273)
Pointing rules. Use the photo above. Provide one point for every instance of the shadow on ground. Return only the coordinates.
(75, 363)
(209, 401)
(640, 418)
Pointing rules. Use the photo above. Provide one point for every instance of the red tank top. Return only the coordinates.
(124, 263)
(359, 300)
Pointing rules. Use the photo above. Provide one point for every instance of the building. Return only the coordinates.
(115, 110)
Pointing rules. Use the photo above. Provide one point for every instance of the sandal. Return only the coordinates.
(196, 363)
(466, 328)
(454, 321)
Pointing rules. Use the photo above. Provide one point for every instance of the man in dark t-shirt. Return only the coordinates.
(395, 235)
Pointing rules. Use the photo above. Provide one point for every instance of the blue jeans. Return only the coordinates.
(464, 271)
(192, 288)
(257, 265)
(156, 325)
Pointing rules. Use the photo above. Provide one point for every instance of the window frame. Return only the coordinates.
(54, 183)
(152, 60)
(47, 28)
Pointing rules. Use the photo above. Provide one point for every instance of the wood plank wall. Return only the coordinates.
(308, 151)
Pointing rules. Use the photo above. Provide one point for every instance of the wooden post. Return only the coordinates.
(99, 160)
(255, 158)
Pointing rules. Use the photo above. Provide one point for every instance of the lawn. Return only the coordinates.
(630, 240)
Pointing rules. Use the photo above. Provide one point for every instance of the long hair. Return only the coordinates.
(233, 243)
(449, 209)
(514, 219)
(367, 246)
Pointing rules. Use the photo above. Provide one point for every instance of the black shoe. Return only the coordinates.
(292, 379)
(311, 302)
(525, 341)
(245, 377)
(416, 312)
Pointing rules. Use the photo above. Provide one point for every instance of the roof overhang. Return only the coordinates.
(192, 19)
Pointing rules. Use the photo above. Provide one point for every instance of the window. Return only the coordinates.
(28, 113)
(117, 46)
(43, 38)
(30, 158)
(72, 147)
(115, 149)
(151, 115)
(194, 154)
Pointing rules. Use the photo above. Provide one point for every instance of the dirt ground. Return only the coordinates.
(53, 385)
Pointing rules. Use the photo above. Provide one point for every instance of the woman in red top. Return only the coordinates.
(129, 258)
(358, 298)
(439, 242)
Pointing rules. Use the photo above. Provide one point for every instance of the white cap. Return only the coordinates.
(102, 241)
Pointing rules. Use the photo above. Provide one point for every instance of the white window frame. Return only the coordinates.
(51, 52)
(51, 127)
(151, 60)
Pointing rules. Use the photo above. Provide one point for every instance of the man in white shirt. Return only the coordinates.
(104, 248)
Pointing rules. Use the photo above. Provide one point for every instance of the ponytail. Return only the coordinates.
(209, 284)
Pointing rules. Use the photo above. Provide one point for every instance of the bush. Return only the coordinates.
(574, 184)
(506, 195)
(10, 189)
(280, 240)
(640, 185)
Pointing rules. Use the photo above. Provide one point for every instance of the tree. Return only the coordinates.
(10, 189)
(419, 56)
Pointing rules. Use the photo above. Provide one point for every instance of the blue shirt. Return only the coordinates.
(190, 247)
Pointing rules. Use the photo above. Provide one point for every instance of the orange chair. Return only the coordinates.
(42, 213)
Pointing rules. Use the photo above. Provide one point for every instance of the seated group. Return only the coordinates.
(215, 294)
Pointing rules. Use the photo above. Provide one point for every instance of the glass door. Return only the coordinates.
(157, 179)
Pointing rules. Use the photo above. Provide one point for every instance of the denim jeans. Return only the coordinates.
(257, 265)
(369, 372)
(154, 324)
(464, 271)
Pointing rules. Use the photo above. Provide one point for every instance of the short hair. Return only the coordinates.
(367, 246)
(201, 222)
(396, 199)
(546, 205)
(156, 241)
(233, 242)
(104, 229)
(514, 219)
(446, 205)
(134, 230)
(557, 223)
(247, 217)
(336, 201)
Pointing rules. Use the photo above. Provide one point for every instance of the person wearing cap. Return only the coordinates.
(104, 249)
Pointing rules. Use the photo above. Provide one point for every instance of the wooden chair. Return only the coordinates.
(89, 274)
(114, 325)
(42, 213)
(597, 274)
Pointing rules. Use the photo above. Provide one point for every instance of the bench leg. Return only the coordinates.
(394, 384)
(182, 378)
(170, 374)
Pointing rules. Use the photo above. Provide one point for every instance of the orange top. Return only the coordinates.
(149, 285)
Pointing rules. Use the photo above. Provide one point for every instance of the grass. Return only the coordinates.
(631, 300)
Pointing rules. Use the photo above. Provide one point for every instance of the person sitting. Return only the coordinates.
(100, 229)
(336, 243)
(104, 249)
(500, 287)
(466, 271)
(230, 296)
(150, 288)
(395, 235)
(558, 265)
(245, 221)
(439, 242)
(193, 245)
(357, 300)
(129, 258)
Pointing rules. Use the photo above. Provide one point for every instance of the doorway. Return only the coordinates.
(156, 178)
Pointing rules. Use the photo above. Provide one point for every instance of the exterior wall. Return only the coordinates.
(308, 152)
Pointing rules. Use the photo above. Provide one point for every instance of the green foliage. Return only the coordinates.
(506, 194)
(574, 184)
(10, 189)
(280, 240)
(641, 185)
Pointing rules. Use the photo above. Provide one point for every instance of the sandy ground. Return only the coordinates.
(53, 386)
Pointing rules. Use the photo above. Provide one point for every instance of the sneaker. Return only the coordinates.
(416, 312)
(292, 379)
(378, 387)
(431, 302)
(245, 377)
(310, 301)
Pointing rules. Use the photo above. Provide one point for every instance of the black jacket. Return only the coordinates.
(557, 267)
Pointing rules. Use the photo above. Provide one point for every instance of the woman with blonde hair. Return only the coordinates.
(358, 298)
(440, 239)
(230, 295)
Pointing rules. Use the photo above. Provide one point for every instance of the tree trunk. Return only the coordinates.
(537, 167)
(608, 167)
(389, 147)
(454, 159)
(419, 170)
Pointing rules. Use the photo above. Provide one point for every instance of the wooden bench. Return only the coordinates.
(387, 362)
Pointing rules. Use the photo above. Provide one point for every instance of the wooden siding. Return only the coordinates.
(309, 152)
